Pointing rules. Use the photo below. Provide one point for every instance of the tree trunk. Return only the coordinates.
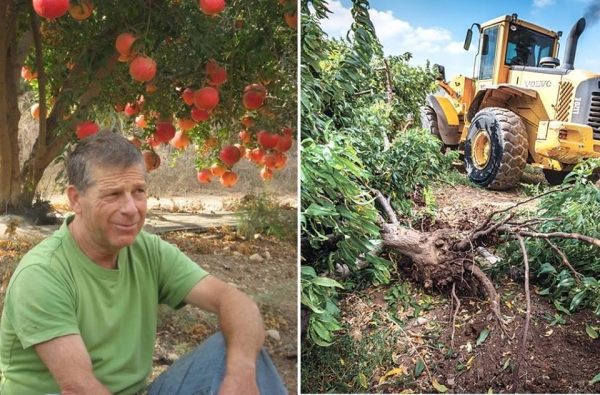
(9, 111)
(18, 183)
(435, 262)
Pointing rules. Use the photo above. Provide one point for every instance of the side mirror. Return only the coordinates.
(468, 39)
(485, 44)
(441, 70)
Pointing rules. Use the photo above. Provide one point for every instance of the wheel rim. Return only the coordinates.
(482, 147)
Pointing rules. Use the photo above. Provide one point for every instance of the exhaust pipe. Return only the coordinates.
(571, 46)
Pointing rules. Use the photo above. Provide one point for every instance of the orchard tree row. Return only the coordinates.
(213, 75)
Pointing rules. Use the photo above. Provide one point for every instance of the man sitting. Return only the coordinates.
(80, 312)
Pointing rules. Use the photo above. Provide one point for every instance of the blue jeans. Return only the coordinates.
(201, 372)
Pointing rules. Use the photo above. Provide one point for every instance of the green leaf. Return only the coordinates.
(560, 308)
(440, 387)
(326, 282)
(577, 300)
(362, 379)
(547, 268)
(482, 336)
(316, 210)
(419, 366)
(594, 379)
(591, 332)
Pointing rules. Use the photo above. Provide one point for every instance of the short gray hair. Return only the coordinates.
(104, 149)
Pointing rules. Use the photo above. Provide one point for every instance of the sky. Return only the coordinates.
(435, 29)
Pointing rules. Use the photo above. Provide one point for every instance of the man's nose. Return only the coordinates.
(128, 205)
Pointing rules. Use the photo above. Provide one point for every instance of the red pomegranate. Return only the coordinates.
(228, 179)
(151, 159)
(165, 131)
(267, 140)
(218, 77)
(186, 123)
(188, 96)
(142, 69)
(51, 9)
(230, 155)
(81, 11)
(199, 115)
(212, 7)
(266, 173)
(86, 128)
(206, 98)
(204, 175)
(284, 143)
(124, 43)
(254, 96)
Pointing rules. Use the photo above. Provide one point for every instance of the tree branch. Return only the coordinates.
(521, 354)
(565, 261)
(39, 62)
(387, 207)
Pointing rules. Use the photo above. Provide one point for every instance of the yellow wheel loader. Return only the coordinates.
(522, 107)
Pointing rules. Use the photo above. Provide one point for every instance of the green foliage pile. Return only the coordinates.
(573, 210)
(344, 158)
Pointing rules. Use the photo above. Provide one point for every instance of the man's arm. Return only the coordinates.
(242, 327)
(69, 362)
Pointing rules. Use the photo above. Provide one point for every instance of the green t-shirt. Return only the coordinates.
(56, 291)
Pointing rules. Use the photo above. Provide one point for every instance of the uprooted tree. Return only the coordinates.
(358, 192)
(143, 67)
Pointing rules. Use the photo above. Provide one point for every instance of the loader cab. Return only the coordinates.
(507, 41)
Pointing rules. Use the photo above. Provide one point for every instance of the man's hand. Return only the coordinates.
(239, 383)
(242, 327)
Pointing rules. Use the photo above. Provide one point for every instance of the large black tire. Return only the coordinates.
(429, 122)
(555, 177)
(496, 148)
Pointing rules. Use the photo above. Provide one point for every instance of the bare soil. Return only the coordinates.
(270, 280)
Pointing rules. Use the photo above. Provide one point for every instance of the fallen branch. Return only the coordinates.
(562, 235)
(386, 206)
(494, 213)
(454, 314)
(521, 353)
(565, 261)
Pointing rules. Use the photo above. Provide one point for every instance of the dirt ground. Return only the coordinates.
(265, 268)
(471, 354)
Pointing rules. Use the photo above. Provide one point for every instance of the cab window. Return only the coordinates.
(526, 47)
(486, 66)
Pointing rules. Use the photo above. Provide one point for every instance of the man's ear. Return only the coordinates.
(74, 198)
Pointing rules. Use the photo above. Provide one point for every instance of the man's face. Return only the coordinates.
(113, 208)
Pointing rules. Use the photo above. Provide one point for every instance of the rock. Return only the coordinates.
(256, 258)
(450, 381)
(422, 320)
(267, 255)
(257, 236)
(237, 254)
(226, 266)
(172, 356)
(273, 333)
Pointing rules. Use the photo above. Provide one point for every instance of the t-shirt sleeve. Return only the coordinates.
(39, 306)
(177, 275)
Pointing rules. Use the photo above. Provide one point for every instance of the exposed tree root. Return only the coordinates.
(444, 259)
